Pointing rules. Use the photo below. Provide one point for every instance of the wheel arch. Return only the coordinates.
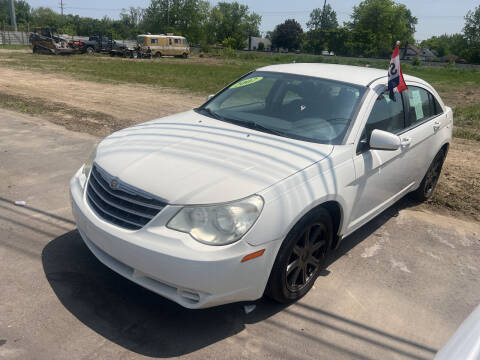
(445, 148)
(336, 210)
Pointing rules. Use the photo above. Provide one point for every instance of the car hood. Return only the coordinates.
(190, 158)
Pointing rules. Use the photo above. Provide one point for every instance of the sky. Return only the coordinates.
(435, 17)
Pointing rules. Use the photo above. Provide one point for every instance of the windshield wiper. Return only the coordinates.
(211, 113)
(256, 126)
(247, 123)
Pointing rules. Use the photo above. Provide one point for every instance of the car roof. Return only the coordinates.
(345, 73)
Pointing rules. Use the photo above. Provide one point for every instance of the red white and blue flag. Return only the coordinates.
(395, 76)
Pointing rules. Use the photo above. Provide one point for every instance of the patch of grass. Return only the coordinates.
(15, 47)
(204, 77)
(93, 122)
(467, 122)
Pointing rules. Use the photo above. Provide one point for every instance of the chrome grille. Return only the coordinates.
(120, 204)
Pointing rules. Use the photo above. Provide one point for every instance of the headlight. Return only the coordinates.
(87, 167)
(218, 224)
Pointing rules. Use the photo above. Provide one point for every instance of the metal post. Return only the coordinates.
(61, 6)
(13, 20)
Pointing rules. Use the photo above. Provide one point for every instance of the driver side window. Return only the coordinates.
(387, 115)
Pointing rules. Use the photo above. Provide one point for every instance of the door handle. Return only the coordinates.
(436, 125)
(405, 141)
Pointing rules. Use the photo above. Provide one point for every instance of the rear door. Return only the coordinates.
(425, 118)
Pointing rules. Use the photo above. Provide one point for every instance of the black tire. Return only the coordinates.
(158, 55)
(90, 50)
(429, 182)
(301, 257)
(185, 55)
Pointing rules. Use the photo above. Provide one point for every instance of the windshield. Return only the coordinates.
(140, 39)
(301, 107)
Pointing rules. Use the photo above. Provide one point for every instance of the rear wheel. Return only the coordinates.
(185, 55)
(158, 55)
(301, 257)
(430, 180)
(90, 50)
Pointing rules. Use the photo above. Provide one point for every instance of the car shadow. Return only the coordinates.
(144, 322)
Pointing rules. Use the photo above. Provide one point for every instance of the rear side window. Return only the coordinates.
(154, 41)
(177, 41)
(387, 115)
(422, 105)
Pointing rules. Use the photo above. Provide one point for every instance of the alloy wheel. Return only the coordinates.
(432, 176)
(307, 257)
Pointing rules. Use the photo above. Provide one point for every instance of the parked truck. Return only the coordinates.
(104, 44)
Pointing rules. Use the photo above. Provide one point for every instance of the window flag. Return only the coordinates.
(395, 76)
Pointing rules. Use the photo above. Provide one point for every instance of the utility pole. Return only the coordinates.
(13, 20)
(61, 7)
(323, 15)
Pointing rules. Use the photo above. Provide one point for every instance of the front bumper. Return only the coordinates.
(171, 263)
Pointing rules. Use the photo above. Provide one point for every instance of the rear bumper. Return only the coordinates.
(171, 263)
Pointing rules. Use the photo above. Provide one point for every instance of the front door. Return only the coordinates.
(381, 176)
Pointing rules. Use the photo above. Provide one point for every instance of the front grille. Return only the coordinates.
(122, 204)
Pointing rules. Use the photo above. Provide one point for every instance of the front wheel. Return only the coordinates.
(301, 257)
(430, 180)
(90, 50)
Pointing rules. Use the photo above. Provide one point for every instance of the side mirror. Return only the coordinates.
(383, 140)
(210, 96)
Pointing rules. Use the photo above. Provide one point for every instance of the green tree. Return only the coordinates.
(185, 17)
(22, 12)
(443, 45)
(232, 20)
(336, 40)
(132, 17)
(472, 35)
(382, 22)
(323, 20)
(287, 35)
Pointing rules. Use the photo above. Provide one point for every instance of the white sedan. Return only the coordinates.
(248, 193)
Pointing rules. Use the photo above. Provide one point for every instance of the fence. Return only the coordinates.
(23, 38)
(14, 38)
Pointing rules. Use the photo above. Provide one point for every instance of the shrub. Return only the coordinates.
(229, 53)
(261, 46)
(204, 47)
(416, 62)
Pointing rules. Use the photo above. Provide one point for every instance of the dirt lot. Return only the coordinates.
(91, 107)
(100, 108)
